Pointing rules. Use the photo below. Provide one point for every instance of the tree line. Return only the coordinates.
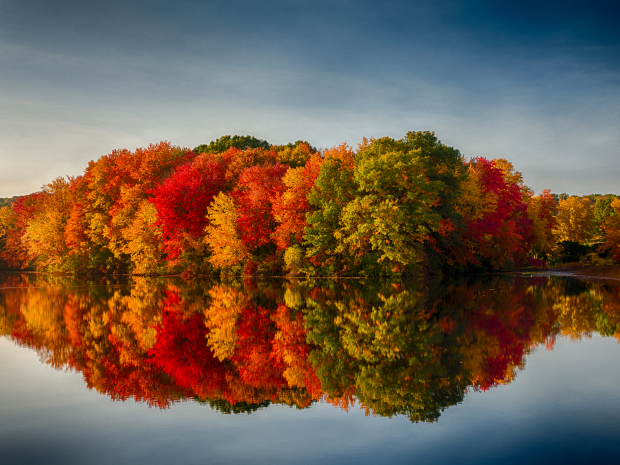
(242, 206)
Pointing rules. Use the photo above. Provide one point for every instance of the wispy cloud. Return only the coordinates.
(537, 83)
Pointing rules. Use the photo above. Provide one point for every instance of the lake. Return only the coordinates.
(495, 369)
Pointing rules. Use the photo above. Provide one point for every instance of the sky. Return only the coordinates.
(535, 82)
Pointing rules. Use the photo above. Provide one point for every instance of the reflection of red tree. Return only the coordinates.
(144, 383)
(181, 351)
(505, 333)
(291, 350)
(26, 338)
(74, 319)
(253, 358)
(253, 373)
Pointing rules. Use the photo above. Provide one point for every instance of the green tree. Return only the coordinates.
(7, 201)
(392, 214)
(386, 209)
(333, 190)
(444, 164)
(602, 211)
(225, 142)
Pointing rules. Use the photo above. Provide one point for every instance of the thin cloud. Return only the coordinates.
(535, 83)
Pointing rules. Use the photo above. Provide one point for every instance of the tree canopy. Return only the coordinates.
(226, 142)
(239, 205)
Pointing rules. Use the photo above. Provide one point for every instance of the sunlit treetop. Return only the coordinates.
(239, 142)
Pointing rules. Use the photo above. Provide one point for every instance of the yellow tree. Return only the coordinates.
(294, 155)
(45, 234)
(142, 240)
(222, 235)
(540, 210)
(7, 222)
(116, 185)
(574, 221)
(612, 232)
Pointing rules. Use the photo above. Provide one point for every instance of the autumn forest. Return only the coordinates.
(241, 206)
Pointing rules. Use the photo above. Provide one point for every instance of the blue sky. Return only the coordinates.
(537, 83)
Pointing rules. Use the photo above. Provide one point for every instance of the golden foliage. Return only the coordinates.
(612, 232)
(222, 235)
(221, 319)
(142, 239)
(574, 221)
(45, 234)
(475, 203)
(540, 210)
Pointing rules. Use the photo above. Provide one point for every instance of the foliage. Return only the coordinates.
(221, 235)
(294, 155)
(182, 201)
(603, 210)
(594, 259)
(572, 251)
(498, 229)
(116, 184)
(7, 222)
(242, 206)
(291, 206)
(226, 142)
(7, 201)
(411, 349)
(574, 221)
(612, 232)
(392, 213)
(13, 226)
(541, 210)
(334, 188)
(258, 188)
(143, 241)
(45, 233)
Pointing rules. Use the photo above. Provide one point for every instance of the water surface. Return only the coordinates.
(503, 370)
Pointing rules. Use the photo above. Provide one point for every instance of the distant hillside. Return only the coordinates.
(6, 201)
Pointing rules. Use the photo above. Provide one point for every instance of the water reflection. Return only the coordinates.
(411, 348)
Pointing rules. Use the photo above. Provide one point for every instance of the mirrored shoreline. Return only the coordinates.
(410, 348)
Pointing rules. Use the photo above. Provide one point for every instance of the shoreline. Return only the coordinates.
(583, 271)
(576, 270)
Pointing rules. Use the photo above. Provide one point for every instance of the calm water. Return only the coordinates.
(503, 370)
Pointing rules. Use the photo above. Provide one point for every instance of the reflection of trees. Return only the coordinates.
(388, 353)
(236, 352)
(408, 348)
(497, 332)
(221, 317)
(608, 318)
(181, 352)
